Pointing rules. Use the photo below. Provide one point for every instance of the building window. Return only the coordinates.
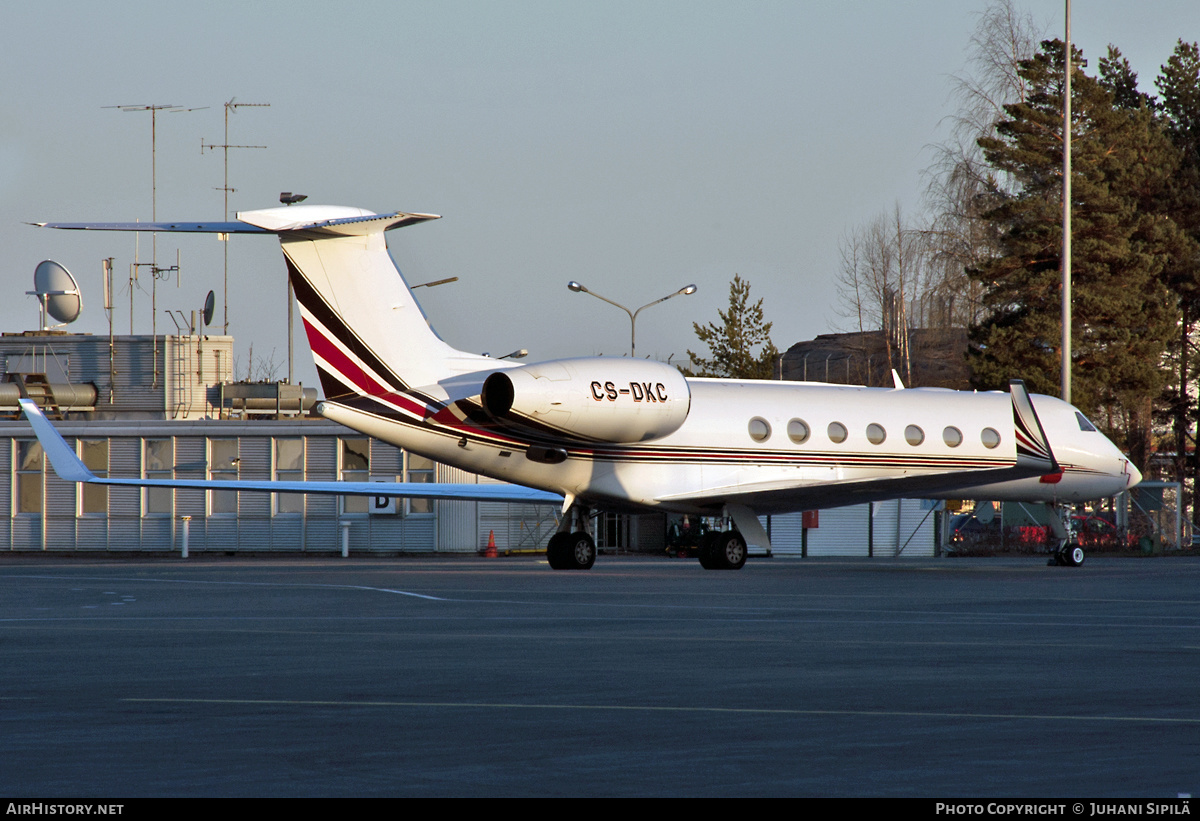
(355, 467)
(223, 463)
(418, 469)
(289, 467)
(29, 495)
(94, 498)
(158, 462)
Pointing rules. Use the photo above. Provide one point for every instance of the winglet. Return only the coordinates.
(1032, 442)
(66, 464)
(899, 383)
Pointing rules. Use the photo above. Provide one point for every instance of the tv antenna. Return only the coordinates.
(230, 107)
(157, 272)
(154, 108)
(57, 293)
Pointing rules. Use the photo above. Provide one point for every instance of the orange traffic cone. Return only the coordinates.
(491, 547)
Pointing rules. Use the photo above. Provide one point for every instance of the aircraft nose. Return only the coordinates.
(1135, 475)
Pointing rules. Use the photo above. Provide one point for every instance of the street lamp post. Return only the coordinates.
(687, 290)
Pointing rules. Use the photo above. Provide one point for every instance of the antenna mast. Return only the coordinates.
(153, 108)
(231, 106)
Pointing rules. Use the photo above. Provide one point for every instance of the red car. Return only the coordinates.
(1098, 533)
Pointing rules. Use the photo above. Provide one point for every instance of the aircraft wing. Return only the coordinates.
(69, 467)
(786, 496)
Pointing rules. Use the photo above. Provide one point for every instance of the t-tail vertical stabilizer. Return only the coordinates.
(367, 333)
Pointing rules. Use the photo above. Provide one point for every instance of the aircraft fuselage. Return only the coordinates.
(773, 445)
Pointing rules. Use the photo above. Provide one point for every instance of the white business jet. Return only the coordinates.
(605, 433)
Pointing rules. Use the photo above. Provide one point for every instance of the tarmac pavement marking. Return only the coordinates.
(480, 705)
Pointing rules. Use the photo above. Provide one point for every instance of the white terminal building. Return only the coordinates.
(167, 406)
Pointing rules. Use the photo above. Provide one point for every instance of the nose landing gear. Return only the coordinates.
(1068, 553)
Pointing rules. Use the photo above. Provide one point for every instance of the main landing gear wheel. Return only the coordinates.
(730, 552)
(1069, 556)
(571, 551)
(723, 551)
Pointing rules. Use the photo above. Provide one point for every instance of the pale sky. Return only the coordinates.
(635, 147)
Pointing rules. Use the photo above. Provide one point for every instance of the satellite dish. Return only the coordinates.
(210, 305)
(57, 292)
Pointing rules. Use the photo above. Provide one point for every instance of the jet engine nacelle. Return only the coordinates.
(599, 398)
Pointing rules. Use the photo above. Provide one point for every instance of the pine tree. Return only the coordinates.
(1118, 78)
(1122, 242)
(1179, 110)
(732, 343)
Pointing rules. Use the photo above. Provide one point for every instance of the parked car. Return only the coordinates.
(1092, 531)
(965, 529)
(1096, 531)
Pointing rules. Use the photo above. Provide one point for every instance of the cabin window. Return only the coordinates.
(837, 432)
(914, 435)
(876, 434)
(760, 429)
(798, 431)
(990, 437)
(1084, 424)
(952, 436)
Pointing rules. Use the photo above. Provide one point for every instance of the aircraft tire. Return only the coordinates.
(556, 550)
(1073, 556)
(579, 552)
(729, 551)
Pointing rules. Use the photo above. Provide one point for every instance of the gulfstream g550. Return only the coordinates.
(626, 434)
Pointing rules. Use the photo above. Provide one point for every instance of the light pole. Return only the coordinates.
(687, 290)
(1066, 217)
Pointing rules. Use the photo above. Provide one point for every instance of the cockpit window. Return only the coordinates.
(1084, 424)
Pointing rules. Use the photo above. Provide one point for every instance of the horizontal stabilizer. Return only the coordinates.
(329, 220)
(308, 220)
(70, 468)
(177, 227)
